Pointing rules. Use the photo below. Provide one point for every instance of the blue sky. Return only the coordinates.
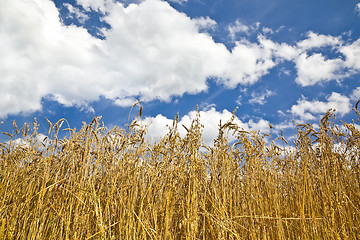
(278, 61)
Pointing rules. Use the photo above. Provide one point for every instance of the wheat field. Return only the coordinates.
(99, 183)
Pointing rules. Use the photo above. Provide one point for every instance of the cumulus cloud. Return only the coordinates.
(284, 126)
(279, 51)
(205, 23)
(240, 27)
(179, 1)
(125, 102)
(314, 40)
(357, 8)
(307, 109)
(140, 57)
(315, 69)
(247, 63)
(352, 55)
(96, 5)
(237, 27)
(76, 12)
(267, 30)
(209, 118)
(260, 98)
(355, 95)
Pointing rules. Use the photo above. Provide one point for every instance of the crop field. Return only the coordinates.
(99, 183)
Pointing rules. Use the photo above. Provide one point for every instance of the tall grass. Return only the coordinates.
(100, 183)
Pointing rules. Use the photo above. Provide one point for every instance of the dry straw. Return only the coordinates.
(114, 184)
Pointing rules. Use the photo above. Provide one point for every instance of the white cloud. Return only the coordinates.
(281, 51)
(205, 23)
(352, 54)
(179, 1)
(240, 27)
(316, 41)
(247, 64)
(315, 69)
(307, 109)
(125, 102)
(267, 30)
(209, 118)
(82, 17)
(157, 126)
(141, 56)
(206, 106)
(96, 5)
(355, 94)
(237, 27)
(284, 126)
(260, 98)
(239, 100)
(357, 8)
(169, 66)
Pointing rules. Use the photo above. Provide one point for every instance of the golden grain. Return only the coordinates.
(114, 184)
